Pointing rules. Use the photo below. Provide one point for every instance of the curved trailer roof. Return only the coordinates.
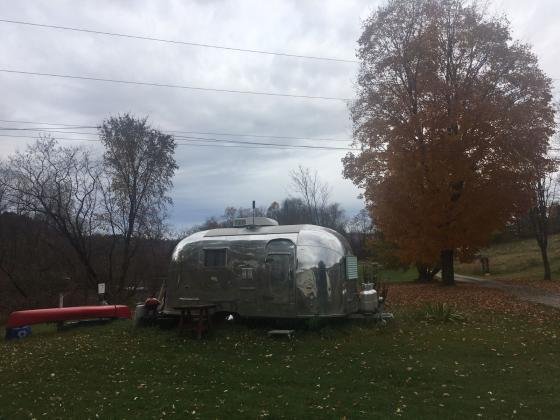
(310, 235)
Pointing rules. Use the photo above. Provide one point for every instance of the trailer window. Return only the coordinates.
(215, 257)
(279, 267)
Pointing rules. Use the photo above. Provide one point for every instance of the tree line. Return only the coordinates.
(310, 202)
(71, 220)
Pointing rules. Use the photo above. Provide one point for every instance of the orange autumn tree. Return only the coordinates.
(451, 117)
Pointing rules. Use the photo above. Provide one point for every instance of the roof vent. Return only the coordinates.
(239, 222)
(256, 221)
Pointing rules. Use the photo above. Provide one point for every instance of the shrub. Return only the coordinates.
(442, 313)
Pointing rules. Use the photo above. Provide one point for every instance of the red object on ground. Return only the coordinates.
(71, 313)
(152, 302)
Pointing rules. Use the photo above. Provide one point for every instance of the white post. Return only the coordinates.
(101, 292)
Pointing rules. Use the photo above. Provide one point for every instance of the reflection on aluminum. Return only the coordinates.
(272, 271)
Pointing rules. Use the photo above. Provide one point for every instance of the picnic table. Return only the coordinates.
(195, 317)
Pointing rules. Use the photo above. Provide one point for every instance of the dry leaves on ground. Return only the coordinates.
(467, 298)
(549, 286)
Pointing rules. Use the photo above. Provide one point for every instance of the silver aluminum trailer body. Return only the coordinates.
(265, 271)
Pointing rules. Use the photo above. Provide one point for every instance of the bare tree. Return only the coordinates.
(59, 185)
(10, 254)
(34, 260)
(139, 165)
(360, 228)
(544, 196)
(229, 215)
(291, 211)
(333, 216)
(273, 211)
(4, 180)
(361, 223)
(314, 192)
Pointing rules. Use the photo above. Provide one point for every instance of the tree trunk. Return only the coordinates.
(546, 263)
(426, 273)
(423, 276)
(539, 217)
(447, 272)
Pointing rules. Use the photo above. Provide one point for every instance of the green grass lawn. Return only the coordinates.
(489, 366)
(386, 275)
(398, 276)
(518, 260)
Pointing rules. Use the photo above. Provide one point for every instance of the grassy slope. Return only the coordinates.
(398, 276)
(503, 367)
(518, 260)
(387, 275)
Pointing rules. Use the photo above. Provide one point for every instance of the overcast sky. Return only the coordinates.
(211, 178)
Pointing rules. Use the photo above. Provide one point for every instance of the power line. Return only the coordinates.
(209, 139)
(263, 144)
(38, 137)
(169, 85)
(71, 126)
(268, 136)
(179, 144)
(45, 123)
(219, 143)
(178, 136)
(49, 129)
(97, 140)
(171, 41)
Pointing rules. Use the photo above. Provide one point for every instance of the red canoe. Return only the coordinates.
(71, 313)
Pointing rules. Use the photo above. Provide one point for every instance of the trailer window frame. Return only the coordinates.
(292, 251)
(217, 261)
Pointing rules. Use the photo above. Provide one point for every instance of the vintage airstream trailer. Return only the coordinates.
(260, 269)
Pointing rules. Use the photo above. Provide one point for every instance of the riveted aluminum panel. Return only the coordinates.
(315, 284)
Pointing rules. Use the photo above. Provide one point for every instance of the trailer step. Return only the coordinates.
(281, 333)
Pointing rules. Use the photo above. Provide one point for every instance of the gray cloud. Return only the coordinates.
(211, 178)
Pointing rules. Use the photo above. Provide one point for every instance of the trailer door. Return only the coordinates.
(280, 271)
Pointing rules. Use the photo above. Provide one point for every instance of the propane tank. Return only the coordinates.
(369, 300)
